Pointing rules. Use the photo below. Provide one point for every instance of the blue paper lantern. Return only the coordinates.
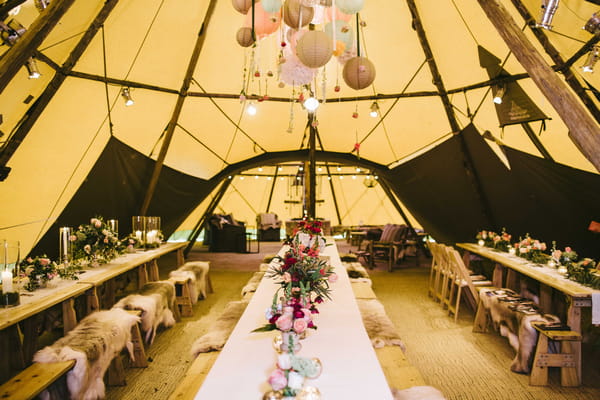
(343, 32)
(271, 6)
(350, 6)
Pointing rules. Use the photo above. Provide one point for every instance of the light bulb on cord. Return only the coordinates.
(499, 91)
(374, 110)
(591, 59)
(126, 94)
(311, 104)
(251, 109)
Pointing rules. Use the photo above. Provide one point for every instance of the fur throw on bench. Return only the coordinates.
(380, 328)
(197, 271)
(252, 283)
(515, 326)
(219, 332)
(94, 342)
(156, 301)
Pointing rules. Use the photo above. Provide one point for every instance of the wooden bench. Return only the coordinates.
(34, 379)
(568, 360)
(194, 377)
(116, 371)
(183, 297)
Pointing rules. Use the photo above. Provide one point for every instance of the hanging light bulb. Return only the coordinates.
(251, 109)
(374, 110)
(499, 92)
(311, 104)
(32, 68)
(549, 7)
(41, 5)
(591, 59)
(126, 94)
(593, 24)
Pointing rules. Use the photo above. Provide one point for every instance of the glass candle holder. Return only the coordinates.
(113, 225)
(65, 245)
(153, 231)
(138, 227)
(9, 267)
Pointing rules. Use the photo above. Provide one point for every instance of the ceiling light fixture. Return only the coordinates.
(374, 110)
(593, 24)
(251, 109)
(549, 7)
(591, 59)
(41, 5)
(32, 68)
(11, 32)
(498, 91)
(126, 94)
(311, 104)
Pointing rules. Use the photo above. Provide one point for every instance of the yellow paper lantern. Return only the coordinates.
(294, 14)
(242, 6)
(359, 73)
(314, 49)
(244, 37)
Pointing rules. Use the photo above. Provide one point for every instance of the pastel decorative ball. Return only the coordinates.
(350, 6)
(359, 73)
(264, 23)
(244, 37)
(271, 6)
(296, 15)
(293, 72)
(343, 32)
(314, 49)
(242, 6)
(329, 12)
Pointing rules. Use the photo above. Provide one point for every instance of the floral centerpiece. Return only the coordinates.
(40, 270)
(486, 238)
(584, 272)
(96, 243)
(310, 235)
(502, 241)
(532, 250)
(289, 375)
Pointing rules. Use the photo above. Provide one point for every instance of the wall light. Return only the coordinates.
(374, 110)
(591, 59)
(549, 7)
(32, 68)
(126, 94)
(251, 109)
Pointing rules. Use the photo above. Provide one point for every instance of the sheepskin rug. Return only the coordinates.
(418, 393)
(93, 343)
(215, 338)
(252, 283)
(156, 301)
(380, 328)
(197, 271)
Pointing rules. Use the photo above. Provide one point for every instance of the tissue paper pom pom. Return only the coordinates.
(293, 72)
(347, 55)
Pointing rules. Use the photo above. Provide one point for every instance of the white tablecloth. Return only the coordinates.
(350, 367)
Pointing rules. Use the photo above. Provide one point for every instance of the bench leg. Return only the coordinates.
(93, 302)
(116, 372)
(571, 376)
(153, 274)
(142, 275)
(140, 361)
(539, 370)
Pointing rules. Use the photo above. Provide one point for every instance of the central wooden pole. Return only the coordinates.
(311, 183)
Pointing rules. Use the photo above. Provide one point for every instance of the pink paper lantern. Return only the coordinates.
(294, 14)
(264, 23)
(314, 49)
(242, 6)
(359, 73)
(338, 15)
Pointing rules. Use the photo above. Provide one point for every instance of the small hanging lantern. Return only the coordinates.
(314, 49)
(296, 15)
(265, 23)
(242, 6)
(350, 6)
(359, 73)
(244, 37)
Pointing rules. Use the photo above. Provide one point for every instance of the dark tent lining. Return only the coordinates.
(115, 187)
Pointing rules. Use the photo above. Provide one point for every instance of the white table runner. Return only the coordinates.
(350, 367)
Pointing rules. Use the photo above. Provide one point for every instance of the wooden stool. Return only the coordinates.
(116, 371)
(568, 360)
(183, 298)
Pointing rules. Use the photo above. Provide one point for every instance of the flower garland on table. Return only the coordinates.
(494, 240)
(40, 270)
(532, 250)
(96, 243)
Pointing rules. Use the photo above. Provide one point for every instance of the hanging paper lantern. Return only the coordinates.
(338, 14)
(314, 49)
(343, 32)
(339, 49)
(244, 37)
(242, 6)
(271, 6)
(295, 14)
(264, 23)
(348, 54)
(350, 6)
(359, 73)
(293, 72)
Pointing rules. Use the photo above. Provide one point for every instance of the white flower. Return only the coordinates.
(295, 380)
(284, 361)
(269, 313)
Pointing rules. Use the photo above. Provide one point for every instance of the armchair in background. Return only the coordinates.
(268, 227)
(224, 233)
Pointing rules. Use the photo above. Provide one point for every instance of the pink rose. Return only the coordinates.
(284, 323)
(288, 310)
(307, 314)
(98, 224)
(72, 238)
(332, 278)
(556, 254)
(300, 325)
(277, 379)
(44, 261)
(568, 249)
(105, 240)
(87, 248)
(287, 278)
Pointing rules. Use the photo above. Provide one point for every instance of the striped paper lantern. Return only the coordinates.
(359, 73)
(314, 49)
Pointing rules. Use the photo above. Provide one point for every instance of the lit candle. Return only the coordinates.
(551, 264)
(7, 283)
(151, 236)
(512, 250)
(481, 243)
(138, 235)
(562, 269)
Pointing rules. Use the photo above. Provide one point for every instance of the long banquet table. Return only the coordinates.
(580, 296)
(350, 367)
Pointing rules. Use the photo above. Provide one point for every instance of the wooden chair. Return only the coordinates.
(470, 282)
(435, 269)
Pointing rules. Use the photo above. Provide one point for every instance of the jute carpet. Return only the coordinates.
(462, 364)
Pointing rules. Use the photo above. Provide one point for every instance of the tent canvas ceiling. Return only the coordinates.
(147, 45)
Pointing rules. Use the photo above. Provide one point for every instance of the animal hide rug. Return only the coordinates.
(200, 271)
(380, 328)
(219, 332)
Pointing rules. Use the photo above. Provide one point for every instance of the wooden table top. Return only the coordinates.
(546, 275)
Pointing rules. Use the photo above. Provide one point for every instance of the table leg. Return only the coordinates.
(142, 275)
(497, 275)
(574, 316)
(180, 257)
(546, 298)
(512, 279)
(69, 315)
(11, 349)
(93, 303)
(153, 270)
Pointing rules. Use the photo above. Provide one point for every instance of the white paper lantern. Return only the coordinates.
(244, 37)
(314, 49)
(295, 14)
(359, 73)
(350, 6)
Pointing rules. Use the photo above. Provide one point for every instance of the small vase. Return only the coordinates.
(290, 342)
